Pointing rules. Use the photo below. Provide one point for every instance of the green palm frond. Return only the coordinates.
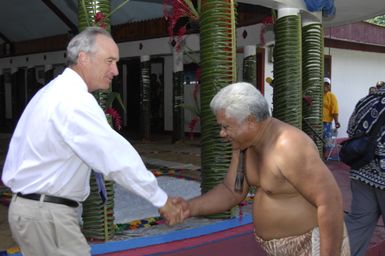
(112, 96)
(192, 8)
(117, 8)
(379, 20)
(195, 110)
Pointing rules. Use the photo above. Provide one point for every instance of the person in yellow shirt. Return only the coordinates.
(330, 113)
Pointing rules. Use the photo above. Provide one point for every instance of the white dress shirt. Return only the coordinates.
(62, 135)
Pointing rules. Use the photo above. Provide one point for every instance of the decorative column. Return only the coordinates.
(287, 94)
(218, 64)
(98, 217)
(18, 91)
(145, 97)
(178, 96)
(250, 64)
(312, 85)
(48, 73)
(2, 100)
(32, 86)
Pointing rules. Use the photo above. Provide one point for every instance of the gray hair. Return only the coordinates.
(84, 42)
(239, 101)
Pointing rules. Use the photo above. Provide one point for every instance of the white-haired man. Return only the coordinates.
(297, 208)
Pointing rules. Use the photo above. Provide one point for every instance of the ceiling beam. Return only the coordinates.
(74, 29)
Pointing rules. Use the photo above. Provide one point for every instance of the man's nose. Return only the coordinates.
(115, 70)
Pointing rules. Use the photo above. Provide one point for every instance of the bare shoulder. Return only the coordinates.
(297, 159)
(294, 148)
(291, 137)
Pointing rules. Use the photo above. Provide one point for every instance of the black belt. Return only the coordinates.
(50, 199)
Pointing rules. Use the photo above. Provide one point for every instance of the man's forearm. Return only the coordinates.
(331, 232)
(336, 122)
(216, 200)
(330, 244)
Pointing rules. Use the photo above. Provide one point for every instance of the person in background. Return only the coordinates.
(329, 113)
(373, 89)
(297, 207)
(62, 134)
(368, 182)
(379, 84)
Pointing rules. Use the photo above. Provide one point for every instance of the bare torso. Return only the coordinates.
(279, 210)
(295, 191)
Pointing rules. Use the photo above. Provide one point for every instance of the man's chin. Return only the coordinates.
(104, 88)
(235, 146)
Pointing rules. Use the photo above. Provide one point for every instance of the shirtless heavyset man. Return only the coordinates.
(296, 195)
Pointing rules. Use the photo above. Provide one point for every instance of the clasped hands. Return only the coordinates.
(175, 211)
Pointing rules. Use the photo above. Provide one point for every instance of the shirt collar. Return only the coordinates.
(76, 78)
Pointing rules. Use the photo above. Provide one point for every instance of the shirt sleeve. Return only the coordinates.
(91, 137)
(334, 104)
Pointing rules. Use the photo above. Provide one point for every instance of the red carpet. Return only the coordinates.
(235, 241)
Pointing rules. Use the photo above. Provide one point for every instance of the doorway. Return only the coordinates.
(128, 86)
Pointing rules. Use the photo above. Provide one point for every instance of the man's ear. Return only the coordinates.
(83, 58)
(251, 119)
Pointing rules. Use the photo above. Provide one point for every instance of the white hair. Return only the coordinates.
(239, 101)
(84, 42)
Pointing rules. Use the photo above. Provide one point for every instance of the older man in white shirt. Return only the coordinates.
(62, 135)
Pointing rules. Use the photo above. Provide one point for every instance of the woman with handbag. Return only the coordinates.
(367, 181)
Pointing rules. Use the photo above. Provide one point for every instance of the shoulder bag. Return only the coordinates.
(359, 150)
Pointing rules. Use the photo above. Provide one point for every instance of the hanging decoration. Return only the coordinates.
(176, 24)
(265, 23)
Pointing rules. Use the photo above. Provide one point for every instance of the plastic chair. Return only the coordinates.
(335, 147)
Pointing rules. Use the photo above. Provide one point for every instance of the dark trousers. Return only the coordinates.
(368, 203)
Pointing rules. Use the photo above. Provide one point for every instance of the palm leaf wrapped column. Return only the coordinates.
(178, 96)
(98, 218)
(2, 103)
(218, 63)
(48, 73)
(32, 85)
(313, 69)
(287, 95)
(145, 97)
(250, 64)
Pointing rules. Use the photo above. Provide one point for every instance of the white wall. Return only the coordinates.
(352, 73)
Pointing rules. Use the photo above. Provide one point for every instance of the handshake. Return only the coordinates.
(175, 211)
